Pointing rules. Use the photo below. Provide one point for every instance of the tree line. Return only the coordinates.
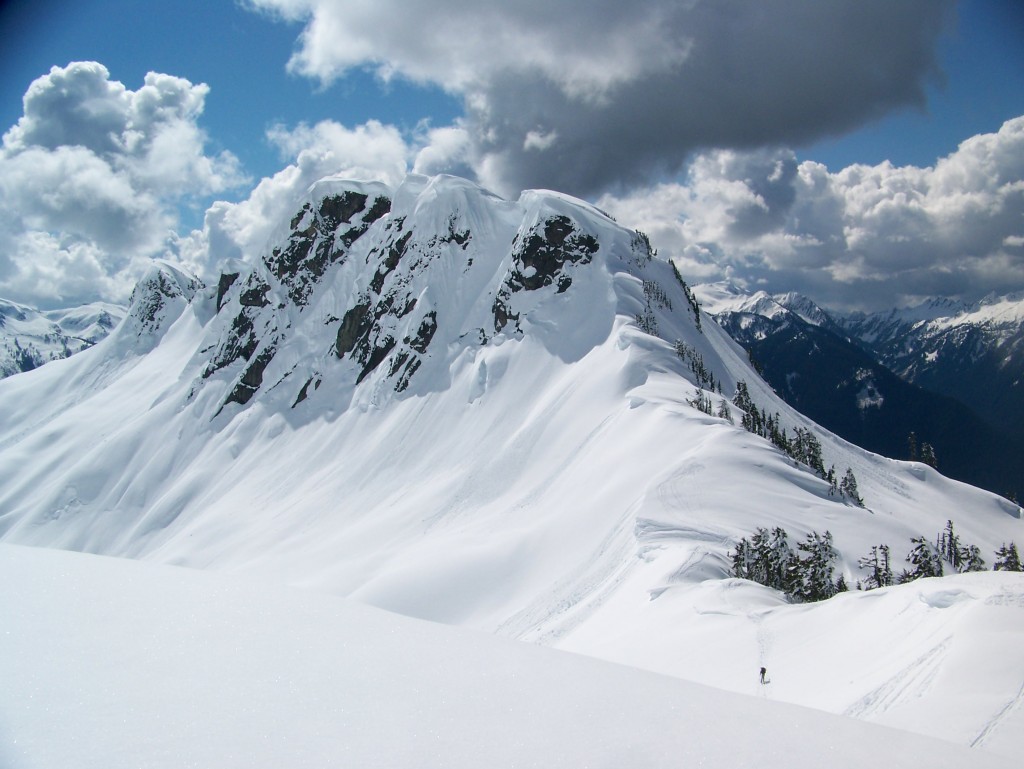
(804, 446)
(807, 573)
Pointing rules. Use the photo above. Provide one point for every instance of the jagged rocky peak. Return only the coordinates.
(322, 231)
(158, 299)
(365, 281)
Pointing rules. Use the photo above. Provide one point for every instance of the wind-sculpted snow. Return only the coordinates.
(459, 408)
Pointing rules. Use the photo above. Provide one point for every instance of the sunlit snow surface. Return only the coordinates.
(551, 485)
(113, 664)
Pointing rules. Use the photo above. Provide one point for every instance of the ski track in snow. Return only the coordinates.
(912, 681)
(997, 720)
(569, 602)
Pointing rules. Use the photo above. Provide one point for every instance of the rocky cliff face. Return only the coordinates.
(396, 286)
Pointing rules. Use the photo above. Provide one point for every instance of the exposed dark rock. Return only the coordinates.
(424, 334)
(403, 381)
(298, 217)
(227, 280)
(501, 313)
(255, 295)
(340, 208)
(381, 205)
(355, 326)
(301, 263)
(395, 253)
(376, 355)
(304, 392)
(540, 258)
(252, 378)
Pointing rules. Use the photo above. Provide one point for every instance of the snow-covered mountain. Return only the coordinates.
(974, 353)
(494, 414)
(723, 298)
(29, 337)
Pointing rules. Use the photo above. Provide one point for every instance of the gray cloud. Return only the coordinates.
(586, 96)
(866, 237)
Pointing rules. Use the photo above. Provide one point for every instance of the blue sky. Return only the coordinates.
(590, 112)
(240, 54)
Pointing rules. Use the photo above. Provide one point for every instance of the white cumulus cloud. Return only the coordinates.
(864, 236)
(90, 177)
(371, 151)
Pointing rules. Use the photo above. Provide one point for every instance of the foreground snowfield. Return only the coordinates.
(110, 664)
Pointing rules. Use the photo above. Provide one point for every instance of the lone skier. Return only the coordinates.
(763, 674)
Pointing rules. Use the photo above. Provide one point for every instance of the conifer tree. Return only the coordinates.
(781, 561)
(760, 544)
(743, 560)
(877, 561)
(723, 410)
(928, 455)
(925, 560)
(971, 560)
(815, 571)
(833, 484)
(848, 488)
(948, 544)
(701, 402)
(1007, 559)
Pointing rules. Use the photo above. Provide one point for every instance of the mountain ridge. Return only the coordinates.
(502, 428)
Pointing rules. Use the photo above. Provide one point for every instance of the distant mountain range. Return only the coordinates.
(30, 337)
(946, 372)
(974, 353)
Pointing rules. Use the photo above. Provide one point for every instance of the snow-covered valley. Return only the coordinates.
(481, 413)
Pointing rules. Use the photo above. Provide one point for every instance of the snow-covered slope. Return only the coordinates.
(458, 408)
(29, 337)
(112, 664)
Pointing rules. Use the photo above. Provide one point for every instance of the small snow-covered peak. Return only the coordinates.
(993, 311)
(805, 308)
(157, 300)
(724, 296)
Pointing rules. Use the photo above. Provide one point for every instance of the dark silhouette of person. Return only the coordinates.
(763, 673)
